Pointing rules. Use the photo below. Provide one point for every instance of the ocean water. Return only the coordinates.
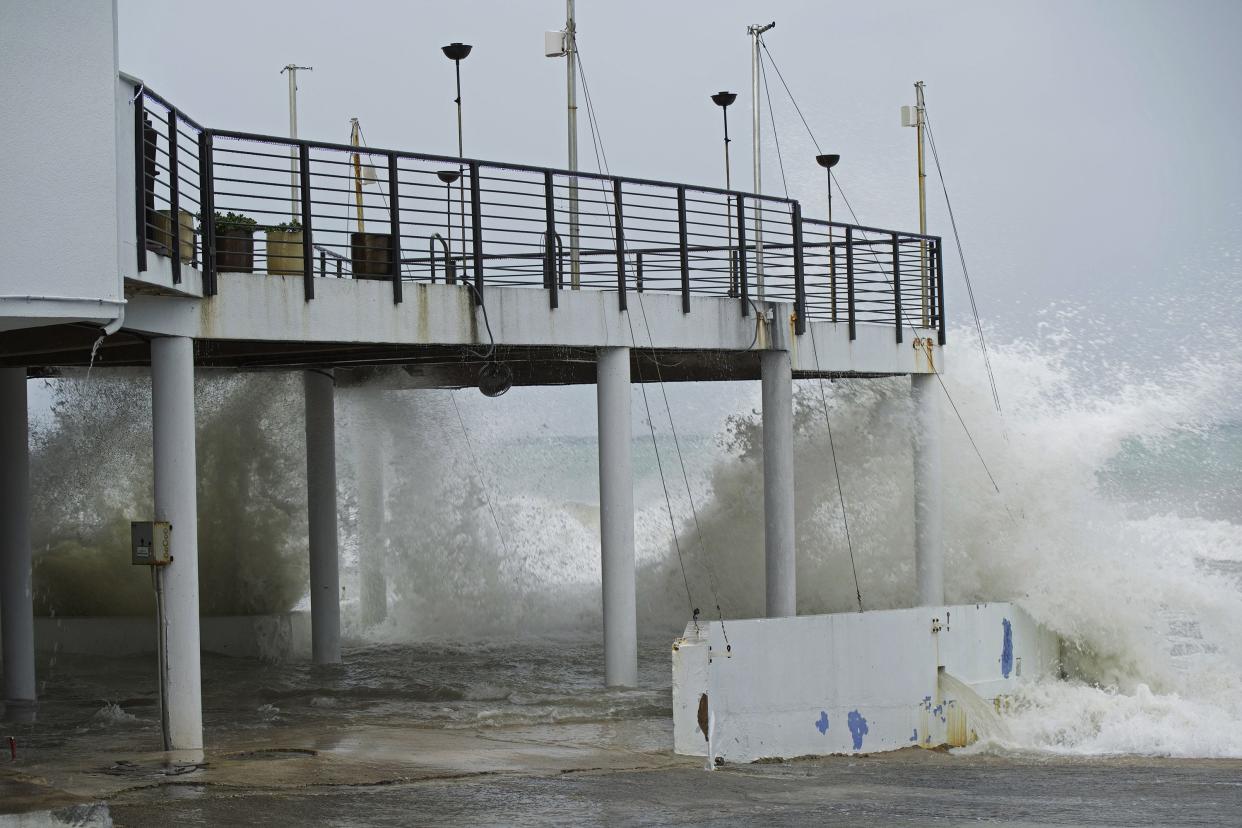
(1118, 523)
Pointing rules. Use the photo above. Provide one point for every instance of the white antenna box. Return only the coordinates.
(554, 44)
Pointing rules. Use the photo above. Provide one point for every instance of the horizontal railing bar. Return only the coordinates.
(155, 96)
(449, 159)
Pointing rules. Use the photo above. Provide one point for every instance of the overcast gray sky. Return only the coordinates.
(1090, 147)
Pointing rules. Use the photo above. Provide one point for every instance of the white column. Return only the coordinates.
(928, 514)
(325, 578)
(16, 606)
(373, 586)
(176, 501)
(778, 484)
(616, 518)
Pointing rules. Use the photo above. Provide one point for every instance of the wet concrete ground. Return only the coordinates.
(607, 774)
(928, 789)
(468, 736)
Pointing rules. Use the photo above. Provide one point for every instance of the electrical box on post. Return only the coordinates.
(554, 44)
(150, 542)
(909, 116)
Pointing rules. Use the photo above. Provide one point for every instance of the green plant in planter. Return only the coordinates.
(234, 224)
(291, 226)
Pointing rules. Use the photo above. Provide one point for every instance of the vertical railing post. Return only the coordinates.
(476, 230)
(743, 283)
(140, 177)
(308, 251)
(638, 271)
(549, 240)
(849, 281)
(682, 246)
(394, 227)
(620, 238)
(174, 197)
(897, 286)
(799, 272)
(939, 259)
(207, 209)
(832, 269)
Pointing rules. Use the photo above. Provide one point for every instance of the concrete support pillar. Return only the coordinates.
(778, 484)
(928, 512)
(16, 605)
(616, 518)
(176, 501)
(325, 577)
(373, 585)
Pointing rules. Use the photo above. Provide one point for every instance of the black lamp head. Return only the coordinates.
(827, 161)
(724, 98)
(456, 51)
(448, 176)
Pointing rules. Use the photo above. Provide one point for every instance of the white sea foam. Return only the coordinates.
(1146, 597)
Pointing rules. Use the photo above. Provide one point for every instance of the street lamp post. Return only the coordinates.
(448, 177)
(828, 162)
(457, 52)
(722, 100)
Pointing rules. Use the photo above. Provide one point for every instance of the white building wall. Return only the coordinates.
(58, 162)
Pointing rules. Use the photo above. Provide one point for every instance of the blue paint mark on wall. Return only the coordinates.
(1006, 658)
(914, 737)
(858, 728)
(822, 723)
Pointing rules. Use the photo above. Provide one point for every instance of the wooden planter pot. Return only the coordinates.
(371, 255)
(161, 240)
(234, 250)
(284, 252)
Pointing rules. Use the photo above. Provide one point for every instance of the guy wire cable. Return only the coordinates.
(970, 290)
(598, 143)
(961, 420)
(823, 397)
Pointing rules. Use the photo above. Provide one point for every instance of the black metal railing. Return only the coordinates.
(325, 210)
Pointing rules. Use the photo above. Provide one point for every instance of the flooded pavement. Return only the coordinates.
(909, 788)
(517, 734)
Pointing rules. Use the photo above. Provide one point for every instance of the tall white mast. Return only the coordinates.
(294, 208)
(917, 118)
(571, 80)
(755, 32)
(920, 126)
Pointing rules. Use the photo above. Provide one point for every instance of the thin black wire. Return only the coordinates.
(837, 471)
(970, 290)
(788, 92)
(668, 500)
(763, 73)
(904, 317)
(479, 475)
(711, 578)
(596, 133)
(655, 445)
(831, 443)
(598, 142)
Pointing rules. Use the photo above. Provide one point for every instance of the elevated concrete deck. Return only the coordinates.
(261, 321)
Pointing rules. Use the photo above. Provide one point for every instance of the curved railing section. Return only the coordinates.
(232, 201)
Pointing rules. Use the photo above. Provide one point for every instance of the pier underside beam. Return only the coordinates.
(778, 484)
(616, 518)
(325, 578)
(176, 501)
(16, 605)
(928, 492)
